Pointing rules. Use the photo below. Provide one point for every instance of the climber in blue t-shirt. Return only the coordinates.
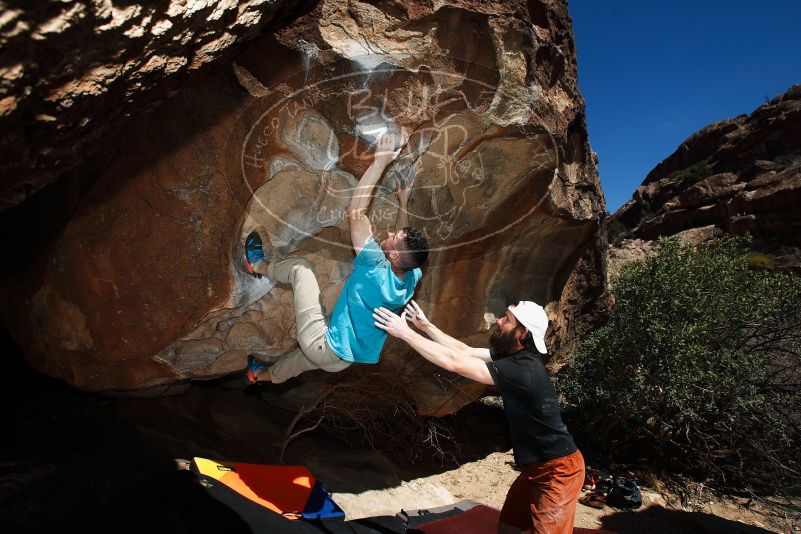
(384, 275)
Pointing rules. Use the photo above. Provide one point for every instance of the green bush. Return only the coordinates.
(697, 372)
(693, 174)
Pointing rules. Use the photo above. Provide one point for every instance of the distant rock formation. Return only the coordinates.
(737, 176)
(141, 287)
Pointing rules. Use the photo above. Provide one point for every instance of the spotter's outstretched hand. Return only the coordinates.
(391, 323)
(415, 314)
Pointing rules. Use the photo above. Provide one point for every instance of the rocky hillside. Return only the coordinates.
(168, 142)
(739, 176)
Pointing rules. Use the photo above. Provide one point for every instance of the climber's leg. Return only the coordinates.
(319, 356)
(314, 351)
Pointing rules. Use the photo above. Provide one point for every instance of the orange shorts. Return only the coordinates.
(544, 496)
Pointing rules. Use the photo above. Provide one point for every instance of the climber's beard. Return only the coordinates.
(502, 343)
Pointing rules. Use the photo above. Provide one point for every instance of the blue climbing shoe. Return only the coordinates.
(254, 366)
(254, 252)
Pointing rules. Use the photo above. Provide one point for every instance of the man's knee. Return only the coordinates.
(301, 268)
(302, 264)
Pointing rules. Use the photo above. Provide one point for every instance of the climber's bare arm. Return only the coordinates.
(360, 227)
(404, 192)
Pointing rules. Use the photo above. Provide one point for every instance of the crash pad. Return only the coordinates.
(465, 517)
(291, 491)
(478, 519)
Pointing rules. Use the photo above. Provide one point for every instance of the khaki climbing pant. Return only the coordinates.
(313, 352)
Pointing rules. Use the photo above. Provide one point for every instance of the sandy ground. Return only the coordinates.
(487, 480)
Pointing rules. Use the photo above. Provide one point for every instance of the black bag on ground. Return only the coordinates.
(625, 494)
(605, 483)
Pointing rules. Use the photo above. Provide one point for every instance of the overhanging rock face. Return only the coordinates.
(145, 287)
(71, 72)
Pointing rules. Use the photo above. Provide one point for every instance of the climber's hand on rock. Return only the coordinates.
(385, 150)
(415, 314)
(391, 323)
(404, 192)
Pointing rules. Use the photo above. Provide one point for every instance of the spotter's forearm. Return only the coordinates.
(440, 355)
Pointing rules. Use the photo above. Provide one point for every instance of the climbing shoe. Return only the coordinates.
(254, 252)
(254, 366)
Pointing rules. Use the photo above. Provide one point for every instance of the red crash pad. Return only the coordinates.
(478, 520)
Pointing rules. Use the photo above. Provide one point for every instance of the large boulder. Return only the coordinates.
(144, 289)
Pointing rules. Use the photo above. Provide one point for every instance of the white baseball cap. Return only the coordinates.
(532, 316)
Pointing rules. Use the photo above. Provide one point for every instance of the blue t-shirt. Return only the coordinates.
(352, 333)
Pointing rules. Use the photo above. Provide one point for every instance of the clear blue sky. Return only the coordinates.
(653, 73)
